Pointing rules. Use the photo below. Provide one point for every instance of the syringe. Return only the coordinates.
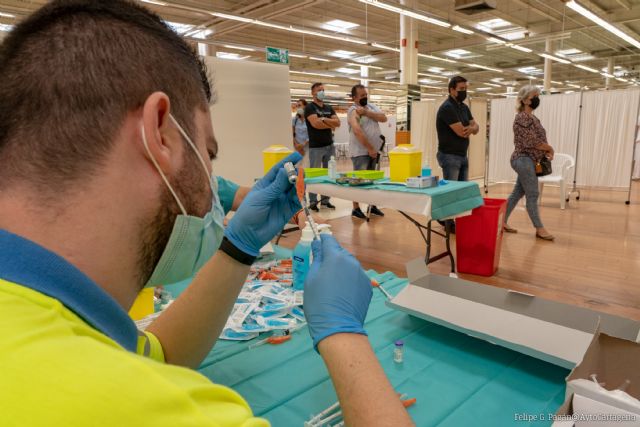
(296, 180)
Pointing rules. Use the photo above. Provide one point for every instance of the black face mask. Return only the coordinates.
(462, 95)
(363, 101)
(535, 102)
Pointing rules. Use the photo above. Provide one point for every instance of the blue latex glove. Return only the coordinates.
(265, 210)
(337, 292)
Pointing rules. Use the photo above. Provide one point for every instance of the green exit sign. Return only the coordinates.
(279, 56)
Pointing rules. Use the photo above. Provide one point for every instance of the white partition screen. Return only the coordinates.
(503, 112)
(607, 136)
(477, 143)
(559, 116)
(603, 144)
(252, 111)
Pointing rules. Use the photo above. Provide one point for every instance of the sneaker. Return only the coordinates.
(376, 211)
(358, 213)
(314, 207)
(328, 205)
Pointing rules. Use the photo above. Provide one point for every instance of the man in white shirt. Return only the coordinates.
(364, 137)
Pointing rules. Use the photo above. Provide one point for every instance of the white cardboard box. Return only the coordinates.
(613, 361)
(555, 332)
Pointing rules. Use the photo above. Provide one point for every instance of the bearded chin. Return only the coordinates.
(190, 187)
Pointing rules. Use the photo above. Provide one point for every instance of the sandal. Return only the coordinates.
(548, 237)
(509, 229)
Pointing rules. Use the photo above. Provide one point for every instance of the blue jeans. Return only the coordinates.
(319, 158)
(363, 163)
(526, 185)
(454, 167)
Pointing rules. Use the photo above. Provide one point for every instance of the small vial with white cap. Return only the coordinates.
(398, 351)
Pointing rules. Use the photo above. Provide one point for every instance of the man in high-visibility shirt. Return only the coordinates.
(104, 188)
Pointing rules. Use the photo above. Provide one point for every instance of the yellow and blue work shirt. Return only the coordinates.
(68, 356)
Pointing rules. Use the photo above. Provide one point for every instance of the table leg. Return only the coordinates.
(428, 259)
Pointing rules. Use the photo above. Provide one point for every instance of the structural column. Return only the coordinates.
(364, 75)
(609, 80)
(408, 47)
(408, 67)
(548, 47)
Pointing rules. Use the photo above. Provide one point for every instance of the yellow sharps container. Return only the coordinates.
(405, 161)
(143, 305)
(273, 154)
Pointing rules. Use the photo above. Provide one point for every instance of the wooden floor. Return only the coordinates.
(594, 262)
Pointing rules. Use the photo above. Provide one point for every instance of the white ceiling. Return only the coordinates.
(532, 21)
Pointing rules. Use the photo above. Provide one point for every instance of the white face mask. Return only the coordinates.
(193, 240)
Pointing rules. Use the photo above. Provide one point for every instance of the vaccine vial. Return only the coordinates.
(398, 351)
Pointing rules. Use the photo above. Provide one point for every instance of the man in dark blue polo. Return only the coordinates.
(454, 124)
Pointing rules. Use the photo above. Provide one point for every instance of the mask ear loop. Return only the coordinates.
(195, 149)
(164, 178)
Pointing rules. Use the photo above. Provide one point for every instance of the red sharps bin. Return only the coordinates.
(479, 238)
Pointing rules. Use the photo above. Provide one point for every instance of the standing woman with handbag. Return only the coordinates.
(531, 148)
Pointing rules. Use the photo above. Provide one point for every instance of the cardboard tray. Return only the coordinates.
(551, 331)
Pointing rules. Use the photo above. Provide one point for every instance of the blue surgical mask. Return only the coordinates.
(320, 95)
(193, 240)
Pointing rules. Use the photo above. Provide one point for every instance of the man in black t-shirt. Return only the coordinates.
(454, 124)
(321, 122)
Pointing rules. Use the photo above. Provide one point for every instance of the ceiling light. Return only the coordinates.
(437, 58)
(345, 70)
(339, 25)
(315, 58)
(233, 17)
(248, 49)
(493, 24)
(381, 46)
(407, 12)
(530, 70)
(604, 24)
(556, 83)
(571, 51)
(621, 79)
(521, 48)
(159, 3)
(582, 57)
(365, 65)
(179, 27)
(342, 53)
(311, 74)
(484, 67)
(574, 86)
(457, 53)
(492, 84)
(7, 15)
(6, 27)
(290, 28)
(229, 55)
(513, 35)
(483, 89)
(554, 58)
(461, 30)
(435, 76)
(608, 75)
(584, 67)
(496, 40)
(429, 81)
(295, 55)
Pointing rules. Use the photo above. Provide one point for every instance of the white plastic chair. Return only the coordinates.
(561, 167)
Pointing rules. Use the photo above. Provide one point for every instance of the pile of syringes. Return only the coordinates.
(267, 302)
